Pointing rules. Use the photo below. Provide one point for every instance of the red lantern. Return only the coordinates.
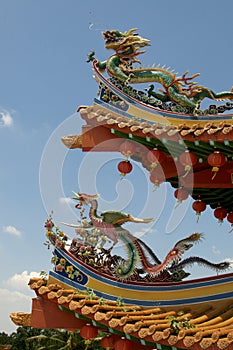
(157, 176)
(216, 160)
(127, 148)
(230, 219)
(124, 344)
(199, 206)
(108, 341)
(88, 332)
(188, 160)
(155, 157)
(125, 167)
(220, 213)
(181, 194)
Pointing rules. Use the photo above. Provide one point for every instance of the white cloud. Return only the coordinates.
(215, 250)
(10, 302)
(20, 281)
(12, 230)
(6, 119)
(15, 297)
(65, 200)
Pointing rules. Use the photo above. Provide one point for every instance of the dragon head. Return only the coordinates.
(84, 198)
(117, 40)
(187, 243)
(175, 255)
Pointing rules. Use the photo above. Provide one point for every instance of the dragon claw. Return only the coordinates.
(91, 56)
(128, 79)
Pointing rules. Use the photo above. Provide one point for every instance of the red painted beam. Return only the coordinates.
(46, 314)
(99, 139)
(203, 178)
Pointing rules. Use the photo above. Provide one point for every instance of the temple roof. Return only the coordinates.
(202, 326)
(201, 137)
(216, 130)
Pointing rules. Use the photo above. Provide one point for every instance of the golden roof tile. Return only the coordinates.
(99, 316)
(128, 328)
(189, 341)
(157, 336)
(86, 310)
(21, 318)
(197, 129)
(223, 343)
(173, 340)
(74, 305)
(205, 343)
(210, 326)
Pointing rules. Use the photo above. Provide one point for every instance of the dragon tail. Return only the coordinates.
(201, 261)
(224, 95)
(149, 251)
(218, 96)
(135, 251)
(126, 268)
(139, 245)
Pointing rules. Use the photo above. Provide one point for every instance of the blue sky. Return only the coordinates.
(44, 78)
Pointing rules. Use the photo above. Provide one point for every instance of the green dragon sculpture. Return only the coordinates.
(181, 90)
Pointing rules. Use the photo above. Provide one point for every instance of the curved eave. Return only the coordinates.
(105, 122)
(105, 129)
(213, 325)
(101, 114)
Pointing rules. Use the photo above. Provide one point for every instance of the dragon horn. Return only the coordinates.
(129, 32)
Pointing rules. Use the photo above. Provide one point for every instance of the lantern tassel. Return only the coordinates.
(155, 187)
(187, 169)
(214, 171)
(178, 203)
(87, 343)
(153, 165)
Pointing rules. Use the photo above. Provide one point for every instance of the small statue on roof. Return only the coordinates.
(109, 224)
(181, 90)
